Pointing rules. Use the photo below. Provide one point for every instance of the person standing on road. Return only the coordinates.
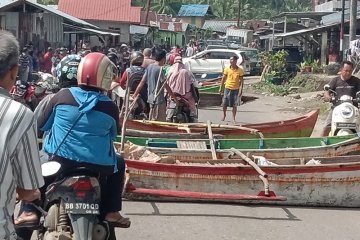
(155, 79)
(233, 80)
(19, 156)
(345, 84)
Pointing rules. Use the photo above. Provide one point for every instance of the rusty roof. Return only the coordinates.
(109, 10)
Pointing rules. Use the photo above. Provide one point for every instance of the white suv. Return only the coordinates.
(215, 60)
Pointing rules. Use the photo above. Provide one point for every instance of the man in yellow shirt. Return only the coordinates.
(233, 79)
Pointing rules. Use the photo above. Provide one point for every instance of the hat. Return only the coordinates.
(123, 45)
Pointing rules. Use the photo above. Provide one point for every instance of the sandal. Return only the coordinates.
(121, 222)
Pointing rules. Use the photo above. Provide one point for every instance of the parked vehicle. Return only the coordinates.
(345, 116)
(293, 59)
(215, 60)
(31, 93)
(255, 64)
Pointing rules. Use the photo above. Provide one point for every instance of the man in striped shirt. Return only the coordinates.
(20, 170)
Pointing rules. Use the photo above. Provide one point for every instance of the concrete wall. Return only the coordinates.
(197, 21)
(10, 22)
(107, 25)
(175, 38)
(53, 29)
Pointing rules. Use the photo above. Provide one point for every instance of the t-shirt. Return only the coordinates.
(349, 87)
(151, 77)
(233, 77)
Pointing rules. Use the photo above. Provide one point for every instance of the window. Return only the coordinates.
(115, 39)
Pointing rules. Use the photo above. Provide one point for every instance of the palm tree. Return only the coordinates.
(164, 7)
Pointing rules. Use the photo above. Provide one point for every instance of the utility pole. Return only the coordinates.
(342, 30)
(239, 14)
(148, 3)
(353, 13)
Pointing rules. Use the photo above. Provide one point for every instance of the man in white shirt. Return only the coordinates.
(20, 170)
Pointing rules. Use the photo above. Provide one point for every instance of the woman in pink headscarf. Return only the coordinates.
(181, 82)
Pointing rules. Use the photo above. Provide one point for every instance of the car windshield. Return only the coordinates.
(251, 53)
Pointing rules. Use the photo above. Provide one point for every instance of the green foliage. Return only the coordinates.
(277, 63)
(302, 83)
(228, 9)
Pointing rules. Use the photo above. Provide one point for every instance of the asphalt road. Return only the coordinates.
(191, 221)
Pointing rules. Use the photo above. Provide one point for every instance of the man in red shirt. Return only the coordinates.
(47, 60)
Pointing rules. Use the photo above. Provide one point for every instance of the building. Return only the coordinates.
(113, 15)
(330, 6)
(41, 25)
(195, 14)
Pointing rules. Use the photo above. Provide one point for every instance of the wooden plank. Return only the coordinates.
(211, 138)
(191, 144)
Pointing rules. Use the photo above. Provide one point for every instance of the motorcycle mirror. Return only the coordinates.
(50, 168)
(327, 87)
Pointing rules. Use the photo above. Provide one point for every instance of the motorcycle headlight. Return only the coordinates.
(347, 112)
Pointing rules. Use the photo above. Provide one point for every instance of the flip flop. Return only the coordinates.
(121, 222)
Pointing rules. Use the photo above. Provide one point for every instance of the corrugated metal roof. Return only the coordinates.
(218, 25)
(66, 16)
(298, 32)
(237, 32)
(108, 10)
(193, 10)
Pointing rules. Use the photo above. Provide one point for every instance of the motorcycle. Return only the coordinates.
(31, 93)
(71, 209)
(345, 116)
(179, 112)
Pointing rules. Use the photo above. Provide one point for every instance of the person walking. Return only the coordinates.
(156, 82)
(233, 80)
(19, 156)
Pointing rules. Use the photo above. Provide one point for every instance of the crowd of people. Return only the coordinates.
(83, 112)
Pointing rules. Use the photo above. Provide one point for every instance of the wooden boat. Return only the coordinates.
(198, 151)
(297, 127)
(210, 88)
(208, 99)
(335, 182)
(267, 143)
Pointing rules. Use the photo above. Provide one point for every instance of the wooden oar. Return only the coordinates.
(262, 175)
(126, 109)
(211, 138)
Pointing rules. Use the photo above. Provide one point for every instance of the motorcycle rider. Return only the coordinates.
(345, 84)
(86, 121)
(66, 72)
(134, 74)
(181, 82)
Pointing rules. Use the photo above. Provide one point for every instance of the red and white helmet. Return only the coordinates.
(96, 70)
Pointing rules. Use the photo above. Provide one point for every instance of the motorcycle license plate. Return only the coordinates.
(82, 208)
(346, 125)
